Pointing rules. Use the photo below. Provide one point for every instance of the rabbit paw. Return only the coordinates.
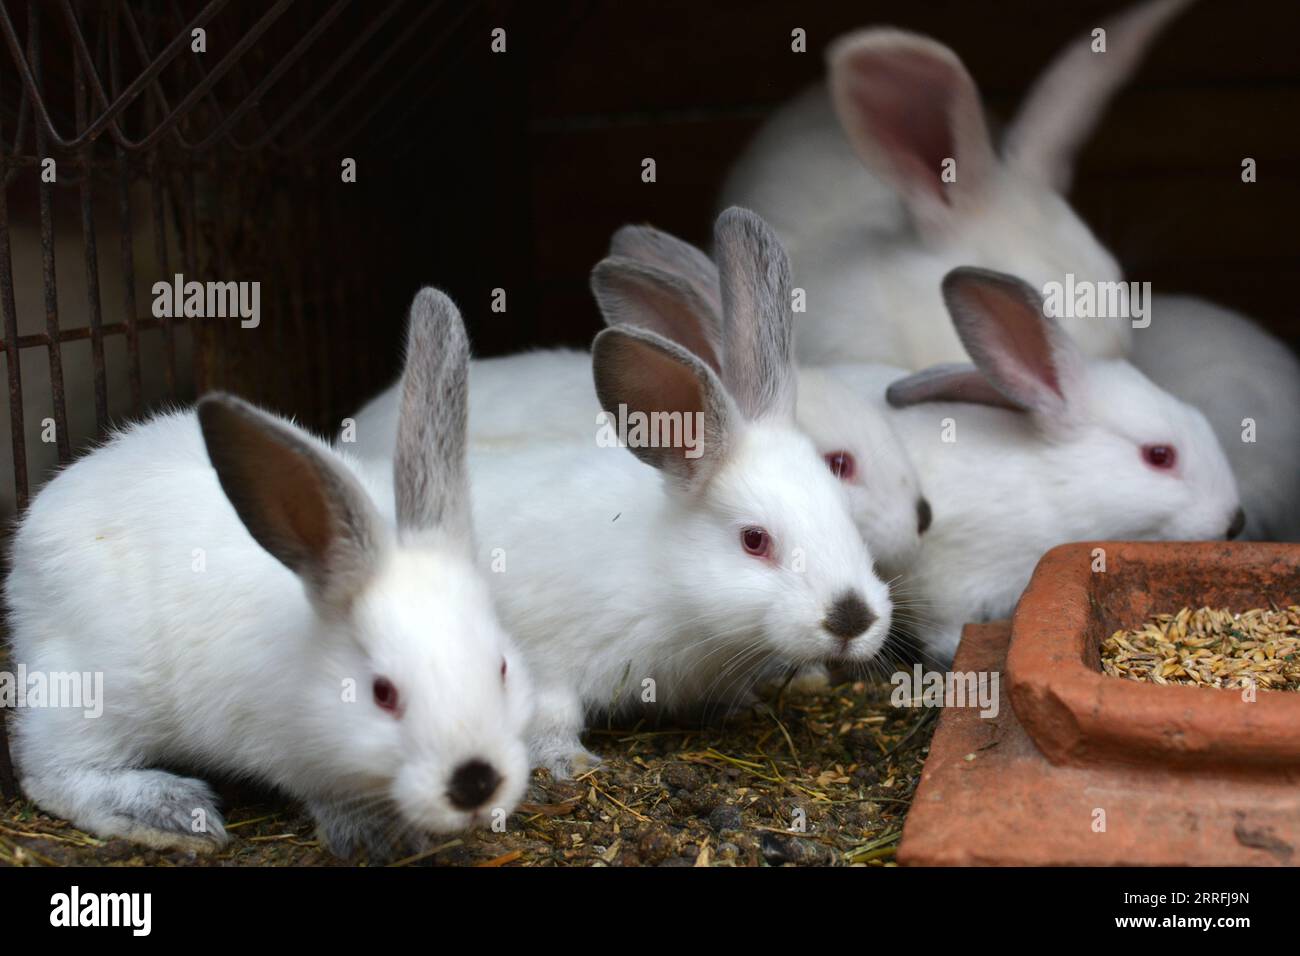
(176, 812)
(377, 834)
(564, 757)
(810, 679)
(152, 807)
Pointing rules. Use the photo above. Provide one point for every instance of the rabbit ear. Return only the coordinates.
(754, 273)
(429, 471)
(947, 383)
(632, 293)
(689, 418)
(1067, 101)
(908, 105)
(654, 247)
(1024, 354)
(296, 500)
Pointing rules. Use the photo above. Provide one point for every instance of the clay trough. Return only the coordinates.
(1081, 768)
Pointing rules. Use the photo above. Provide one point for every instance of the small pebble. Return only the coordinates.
(725, 817)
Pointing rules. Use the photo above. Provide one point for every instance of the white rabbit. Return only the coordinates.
(851, 431)
(1232, 370)
(258, 607)
(544, 396)
(1034, 446)
(665, 579)
(829, 172)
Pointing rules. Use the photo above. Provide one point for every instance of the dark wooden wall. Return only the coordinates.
(529, 161)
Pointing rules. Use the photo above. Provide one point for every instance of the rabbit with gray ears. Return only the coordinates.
(852, 431)
(902, 118)
(260, 606)
(1032, 446)
(663, 577)
(1247, 383)
(545, 396)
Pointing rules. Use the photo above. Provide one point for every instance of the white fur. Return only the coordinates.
(513, 400)
(541, 397)
(1013, 485)
(870, 246)
(234, 669)
(613, 575)
(1232, 370)
(623, 573)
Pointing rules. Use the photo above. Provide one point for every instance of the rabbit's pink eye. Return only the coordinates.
(1159, 456)
(757, 542)
(842, 464)
(386, 697)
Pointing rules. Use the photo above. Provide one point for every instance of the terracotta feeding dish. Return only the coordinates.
(1079, 767)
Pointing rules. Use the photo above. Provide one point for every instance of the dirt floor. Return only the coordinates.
(821, 778)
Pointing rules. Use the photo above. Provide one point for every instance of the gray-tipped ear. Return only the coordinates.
(294, 497)
(429, 469)
(1024, 354)
(946, 383)
(680, 418)
(654, 247)
(636, 294)
(1068, 99)
(754, 271)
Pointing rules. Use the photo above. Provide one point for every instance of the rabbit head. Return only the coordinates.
(914, 117)
(852, 435)
(1129, 459)
(417, 700)
(768, 532)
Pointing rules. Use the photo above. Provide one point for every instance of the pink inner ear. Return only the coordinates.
(1020, 333)
(904, 99)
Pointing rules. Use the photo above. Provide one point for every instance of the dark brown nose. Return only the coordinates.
(472, 785)
(1238, 524)
(848, 617)
(923, 515)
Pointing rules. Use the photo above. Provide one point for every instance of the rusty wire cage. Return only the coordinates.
(141, 140)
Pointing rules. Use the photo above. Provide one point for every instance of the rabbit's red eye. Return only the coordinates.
(386, 696)
(757, 542)
(842, 464)
(1159, 456)
(503, 670)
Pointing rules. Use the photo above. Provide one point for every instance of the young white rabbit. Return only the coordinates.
(548, 396)
(829, 172)
(851, 430)
(255, 610)
(1034, 446)
(665, 579)
(1247, 383)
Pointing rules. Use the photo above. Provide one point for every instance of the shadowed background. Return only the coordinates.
(479, 170)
